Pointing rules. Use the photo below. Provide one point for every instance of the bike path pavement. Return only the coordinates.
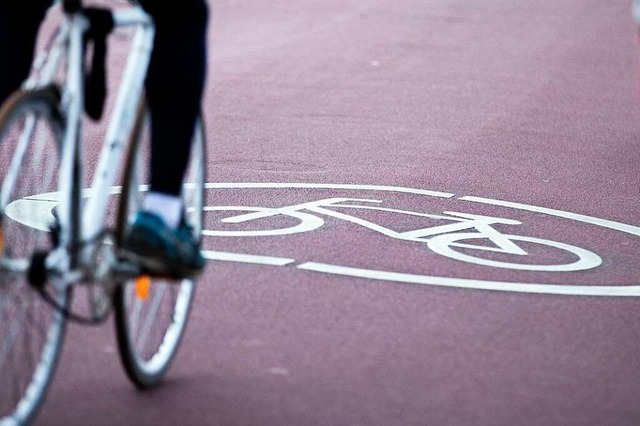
(526, 103)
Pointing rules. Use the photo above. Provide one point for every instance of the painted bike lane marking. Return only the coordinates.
(398, 276)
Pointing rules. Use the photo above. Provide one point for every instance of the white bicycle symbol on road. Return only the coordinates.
(441, 239)
(450, 239)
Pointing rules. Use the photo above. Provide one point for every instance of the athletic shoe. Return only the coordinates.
(161, 250)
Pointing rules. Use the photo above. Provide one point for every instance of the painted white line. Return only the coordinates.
(572, 290)
(37, 215)
(86, 192)
(630, 229)
(307, 223)
(271, 185)
(246, 258)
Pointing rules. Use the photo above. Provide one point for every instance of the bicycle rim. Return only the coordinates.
(31, 331)
(151, 315)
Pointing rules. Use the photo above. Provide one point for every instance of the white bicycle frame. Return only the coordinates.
(69, 39)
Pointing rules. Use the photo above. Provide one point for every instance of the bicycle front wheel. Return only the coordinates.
(31, 330)
(152, 313)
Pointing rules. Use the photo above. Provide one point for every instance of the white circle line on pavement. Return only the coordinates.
(629, 229)
(269, 185)
(373, 274)
(246, 258)
(512, 287)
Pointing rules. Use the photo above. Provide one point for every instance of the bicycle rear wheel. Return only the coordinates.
(31, 331)
(152, 313)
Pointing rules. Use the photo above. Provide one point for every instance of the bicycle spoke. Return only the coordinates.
(152, 311)
(20, 151)
(136, 306)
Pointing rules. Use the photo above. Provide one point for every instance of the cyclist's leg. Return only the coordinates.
(175, 82)
(19, 23)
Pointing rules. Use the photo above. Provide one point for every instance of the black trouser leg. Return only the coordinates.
(19, 23)
(175, 82)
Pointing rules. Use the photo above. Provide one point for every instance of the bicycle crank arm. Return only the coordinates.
(125, 270)
(42, 269)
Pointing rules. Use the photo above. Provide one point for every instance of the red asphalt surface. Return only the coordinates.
(532, 102)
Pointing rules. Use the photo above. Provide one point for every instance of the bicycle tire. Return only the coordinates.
(31, 330)
(146, 366)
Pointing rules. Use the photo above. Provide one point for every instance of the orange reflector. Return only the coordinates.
(1, 241)
(143, 285)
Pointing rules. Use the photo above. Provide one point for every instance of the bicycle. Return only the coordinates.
(40, 129)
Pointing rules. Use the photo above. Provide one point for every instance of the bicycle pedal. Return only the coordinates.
(134, 261)
(130, 269)
(125, 268)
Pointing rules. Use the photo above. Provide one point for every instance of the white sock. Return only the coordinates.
(168, 207)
